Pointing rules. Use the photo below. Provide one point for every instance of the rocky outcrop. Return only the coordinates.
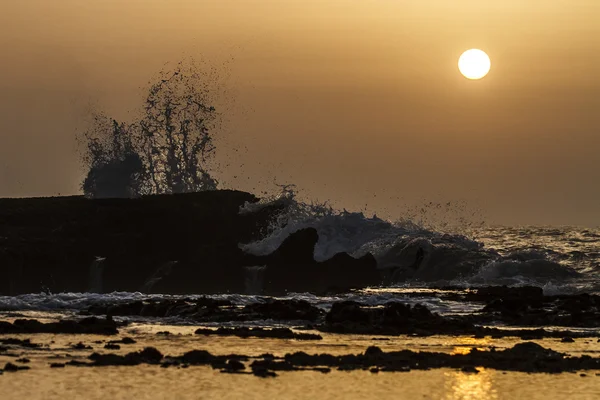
(178, 244)
(292, 268)
(90, 325)
(391, 319)
(48, 244)
(243, 332)
(574, 311)
(525, 357)
(403, 319)
(211, 310)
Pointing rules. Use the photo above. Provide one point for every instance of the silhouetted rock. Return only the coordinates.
(234, 365)
(209, 310)
(524, 357)
(20, 342)
(81, 346)
(276, 333)
(149, 355)
(343, 272)
(400, 319)
(505, 292)
(288, 310)
(90, 325)
(574, 310)
(10, 367)
(393, 318)
(298, 248)
(197, 357)
(51, 242)
(292, 268)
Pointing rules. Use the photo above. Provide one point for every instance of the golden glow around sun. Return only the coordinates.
(474, 64)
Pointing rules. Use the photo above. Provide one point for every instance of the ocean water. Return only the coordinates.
(561, 260)
(432, 262)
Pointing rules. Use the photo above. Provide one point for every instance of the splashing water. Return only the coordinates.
(564, 258)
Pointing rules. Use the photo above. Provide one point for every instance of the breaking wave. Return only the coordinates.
(409, 253)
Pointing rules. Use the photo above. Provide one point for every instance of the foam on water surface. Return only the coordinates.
(561, 260)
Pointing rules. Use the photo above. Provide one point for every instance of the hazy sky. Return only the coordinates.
(358, 102)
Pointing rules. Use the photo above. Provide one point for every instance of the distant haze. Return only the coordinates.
(357, 102)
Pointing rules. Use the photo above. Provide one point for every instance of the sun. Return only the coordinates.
(474, 64)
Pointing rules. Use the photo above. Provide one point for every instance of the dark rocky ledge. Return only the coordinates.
(524, 357)
(393, 318)
(177, 244)
(243, 332)
(90, 325)
(402, 319)
(210, 310)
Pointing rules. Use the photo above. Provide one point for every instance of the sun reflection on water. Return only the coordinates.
(470, 386)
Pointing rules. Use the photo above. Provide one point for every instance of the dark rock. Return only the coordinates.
(77, 363)
(149, 355)
(391, 319)
(23, 360)
(566, 310)
(567, 340)
(263, 372)
(81, 346)
(278, 333)
(292, 268)
(298, 248)
(57, 365)
(273, 365)
(469, 369)
(90, 325)
(234, 365)
(112, 346)
(373, 351)
(346, 311)
(285, 310)
(343, 272)
(504, 292)
(524, 357)
(210, 310)
(18, 342)
(48, 240)
(10, 367)
(198, 357)
(399, 319)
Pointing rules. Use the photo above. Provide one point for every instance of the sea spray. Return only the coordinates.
(405, 251)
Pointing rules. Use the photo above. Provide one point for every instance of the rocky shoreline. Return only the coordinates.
(391, 320)
(528, 320)
(177, 244)
(522, 357)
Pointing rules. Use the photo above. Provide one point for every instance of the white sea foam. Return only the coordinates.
(513, 256)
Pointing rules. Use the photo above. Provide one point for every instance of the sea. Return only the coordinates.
(560, 260)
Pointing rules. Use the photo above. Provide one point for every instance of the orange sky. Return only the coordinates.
(358, 102)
